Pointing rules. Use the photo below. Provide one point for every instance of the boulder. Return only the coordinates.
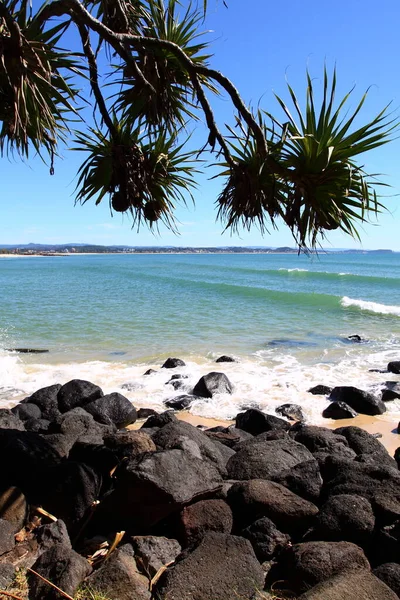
(339, 410)
(304, 479)
(225, 359)
(345, 517)
(145, 413)
(257, 498)
(293, 412)
(364, 443)
(119, 578)
(130, 443)
(172, 363)
(391, 391)
(229, 569)
(63, 567)
(211, 384)
(100, 458)
(159, 420)
(265, 460)
(229, 436)
(81, 426)
(112, 409)
(7, 532)
(149, 372)
(26, 411)
(267, 541)
(150, 487)
(46, 400)
(389, 573)
(38, 425)
(394, 367)
(359, 585)
(7, 575)
(153, 552)
(53, 534)
(9, 420)
(181, 402)
(199, 518)
(254, 421)
(321, 438)
(13, 507)
(320, 390)
(305, 565)
(77, 392)
(361, 401)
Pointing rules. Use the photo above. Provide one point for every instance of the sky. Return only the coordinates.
(259, 49)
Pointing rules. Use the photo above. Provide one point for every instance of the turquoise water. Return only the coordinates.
(285, 318)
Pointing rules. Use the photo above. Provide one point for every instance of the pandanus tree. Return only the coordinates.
(302, 169)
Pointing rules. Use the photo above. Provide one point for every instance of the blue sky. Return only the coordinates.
(257, 49)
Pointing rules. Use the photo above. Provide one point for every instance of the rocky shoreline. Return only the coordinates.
(268, 507)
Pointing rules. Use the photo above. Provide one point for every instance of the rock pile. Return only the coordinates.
(172, 512)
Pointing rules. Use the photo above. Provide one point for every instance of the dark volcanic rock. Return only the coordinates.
(26, 411)
(304, 479)
(63, 567)
(80, 425)
(172, 363)
(130, 443)
(145, 413)
(321, 438)
(199, 518)
(345, 517)
(290, 411)
(229, 569)
(229, 436)
(8, 420)
(225, 359)
(13, 507)
(159, 420)
(267, 541)
(257, 498)
(152, 486)
(254, 421)
(212, 383)
(77, 392)
(389, 573)
(264, 460)
(362, 402)
(181, 402)
(155, 551)
(359, 585)
(394, 367)
(7, 532)
(112, 409)
(38, 425)
(119, 578)
(101, 459)
(364, 443)
(320, 390)
(391, 391)
(46, 400)
(53, 534)
(150, 372)
(339, 410)
(306, 565)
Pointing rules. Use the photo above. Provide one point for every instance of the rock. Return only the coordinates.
(394, 367)
(77, 392)
(112, 409)
(391, 391)
(267, 541)
(304, 479)
(154, 552)
(61, 443)
(211, 384)
(361, 401)
(80, 425)
(184, 436)
(356, 338)
(389, 573)
(46, 400)
(265, 460)
(7, 575)
(305, 565)
(8, 420)
(38, 425)
(7, 532)
(360, 585)
(345, 517)
(321, 438)
(257, 498)
(364, 443)
(63, 567)
(229, 569)
(225, 359)
(172, 363)
(339, 410)
(290, 411)
(145, 413)
(27, 410)
(320, 390)
(177, 384)
(150, 372)
(199, 518)
(119, 578)
(254, 421)
(53, 534)
(159, 420)
(229, 436)
(100, 458)
(150, 487)
(181, 402)
(13, 507)
(130, 443)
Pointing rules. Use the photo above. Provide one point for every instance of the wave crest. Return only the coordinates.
(374, 307)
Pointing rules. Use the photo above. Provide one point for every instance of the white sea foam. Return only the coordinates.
(267, 379)
(294, 270)
(374, 307)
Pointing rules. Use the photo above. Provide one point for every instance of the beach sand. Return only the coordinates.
(382, 425)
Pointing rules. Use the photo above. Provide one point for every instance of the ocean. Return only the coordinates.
(284, 318)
